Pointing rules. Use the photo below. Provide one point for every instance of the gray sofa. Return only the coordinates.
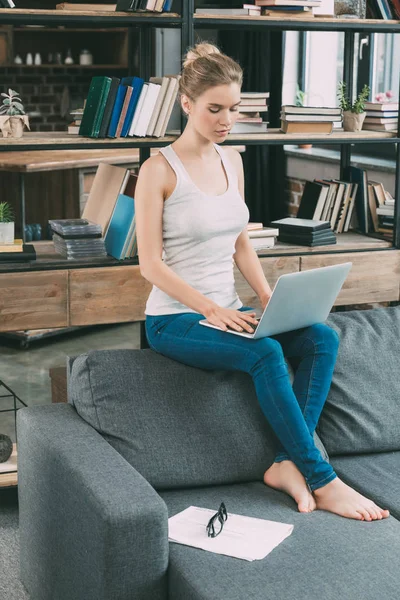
(143, 437)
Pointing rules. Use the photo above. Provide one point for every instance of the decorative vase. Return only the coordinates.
(7, 233)
(353, 121)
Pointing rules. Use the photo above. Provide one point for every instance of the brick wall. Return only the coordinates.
(44, 90)
(293, 192)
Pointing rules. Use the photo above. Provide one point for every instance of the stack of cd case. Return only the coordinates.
(78, 238)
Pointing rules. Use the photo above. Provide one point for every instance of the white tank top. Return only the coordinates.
(199, 235)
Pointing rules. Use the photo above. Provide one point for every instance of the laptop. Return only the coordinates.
(298, 300)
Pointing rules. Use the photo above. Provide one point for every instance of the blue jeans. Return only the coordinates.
(292, 411)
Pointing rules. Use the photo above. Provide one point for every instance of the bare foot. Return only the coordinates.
(338, 497)
(286, 476)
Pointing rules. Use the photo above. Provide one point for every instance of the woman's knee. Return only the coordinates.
(321, 333)
(270, 349)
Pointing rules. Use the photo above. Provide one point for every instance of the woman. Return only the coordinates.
(190, 204)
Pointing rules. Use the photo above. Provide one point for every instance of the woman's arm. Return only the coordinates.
(246, 257)
(149, 203)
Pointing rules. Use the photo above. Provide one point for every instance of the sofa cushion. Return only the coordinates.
(179, 426)
(362, 411)
(326, 557)
(373, 475)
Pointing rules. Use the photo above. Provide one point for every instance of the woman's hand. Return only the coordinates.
(235, 319)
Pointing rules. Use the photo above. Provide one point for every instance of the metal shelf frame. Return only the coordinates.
(188, 23)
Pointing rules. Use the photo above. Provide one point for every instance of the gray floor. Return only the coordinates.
(26, 371)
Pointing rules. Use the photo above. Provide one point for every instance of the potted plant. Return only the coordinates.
(12, 115)
(353, 114)
(6, 223)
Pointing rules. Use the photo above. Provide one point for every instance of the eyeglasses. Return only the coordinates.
(222, 516)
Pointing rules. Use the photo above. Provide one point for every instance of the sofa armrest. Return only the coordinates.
(91, 527)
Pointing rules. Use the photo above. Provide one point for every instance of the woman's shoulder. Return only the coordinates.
(156, 174)
(155, 166)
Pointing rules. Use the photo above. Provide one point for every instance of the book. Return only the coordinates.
(385, 114)
(379, 190)
(350, 211)
(86, 7)
(261, 243)
(27, 254)
(287, 3)
(163, 81)
(288, 239)
(147, 110)
(359, 176)
(377, 120)
(116, 111)
(381, 106)
(291, 109)
(109, 182)
(124, 110)
(167, 108)
(243, 128)
(105, 122)
(372, 207)
(137, 84)
(120, 223)
(295, 224)
(312, 200)
(284, 14)
(380, 127)
(250, 108)
(95, 106)
(16, 246)
(306, 127)
(139, 108)
(263, 232)
(310, 118)
(237, 12)
(253, 95)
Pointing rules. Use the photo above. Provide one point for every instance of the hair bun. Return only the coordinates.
(198, 51)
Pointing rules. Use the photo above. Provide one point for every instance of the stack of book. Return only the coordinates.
(128, 107)
(305, 232)
(381, 116)
(111, 205)
(77, 238)
(330, 200)
(261, 237)
(16, 252)
(248, 10)
(288, 8)
(73, 127)
(310, 119)
(252, 104)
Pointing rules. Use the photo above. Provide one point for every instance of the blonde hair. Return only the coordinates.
(204, 67)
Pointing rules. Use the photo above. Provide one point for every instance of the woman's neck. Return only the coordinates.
(193, 145)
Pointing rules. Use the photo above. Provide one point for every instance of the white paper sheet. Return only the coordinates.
(242, 537)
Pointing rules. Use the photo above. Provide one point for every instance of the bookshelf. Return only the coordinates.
(189, 23)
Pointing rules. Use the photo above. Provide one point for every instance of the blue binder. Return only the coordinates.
(137, 85)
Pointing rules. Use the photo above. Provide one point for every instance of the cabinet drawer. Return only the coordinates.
(374, 276)
(33, 300)
(107, 295)
(273, 268)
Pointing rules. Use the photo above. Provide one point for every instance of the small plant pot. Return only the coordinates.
(7, 233)
(353, 121)
(13, 127)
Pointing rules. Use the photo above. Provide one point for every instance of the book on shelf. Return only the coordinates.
(359, 176)
(381, 106)
(158, 6)
(84, 7)
(328, 240)
(110, 181)
(27, 254)
(15, 246)
(105, 122)
(310, 118)
(250, 10)
(383, 114)
(295, 225)
(291, 109)
(251, 225)
(306, 127)
(288, 2)
(120, 228)
(313, 200)
(378, 120)
(293, 14)
(249, 127)
(7, 4)
(380, 126)
(263, 232)
(95, 106)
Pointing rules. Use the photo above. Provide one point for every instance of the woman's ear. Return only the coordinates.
(185, 104)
